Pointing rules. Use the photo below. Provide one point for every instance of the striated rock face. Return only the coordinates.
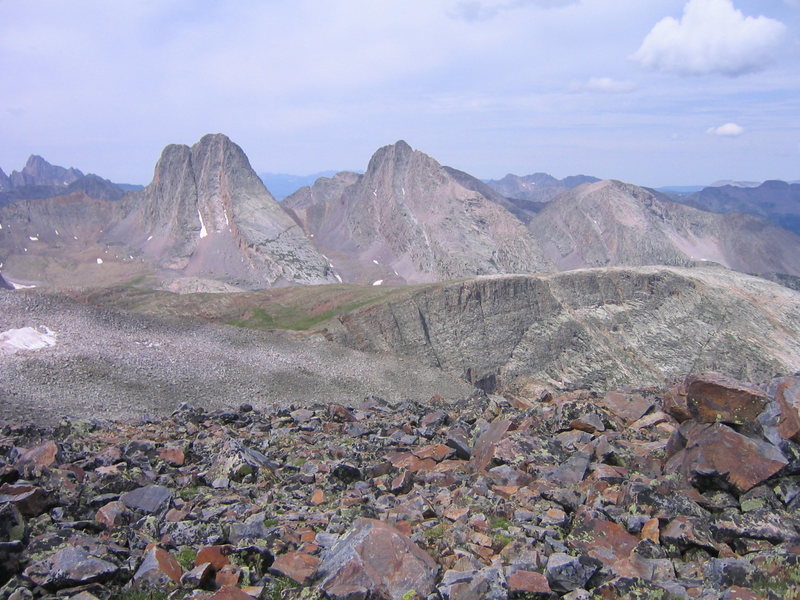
(612, 223)
(207, 214)
(593, 327)
(414, 222)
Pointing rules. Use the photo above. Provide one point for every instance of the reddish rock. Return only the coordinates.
(628, 407)
(676, 404)
(717, 451)
(606, 541)
(42, 456)
(318, 497)
(216, 555)
(228, 575)
(528, 582)
(788, 397)
(437, 452)
(296, 565)
(30, 501)
(375, 560)
(113, 514)
(230, 592)
(172, 456)
(483, 452)
(158, 568)
(739, 593)
(715, 398)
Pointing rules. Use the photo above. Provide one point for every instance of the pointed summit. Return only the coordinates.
(207, 214)
(38, 171)
(408, 220)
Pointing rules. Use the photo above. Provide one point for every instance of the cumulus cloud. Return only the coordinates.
(711, 37)
(483, 10)
(727, 130)
(605, 85)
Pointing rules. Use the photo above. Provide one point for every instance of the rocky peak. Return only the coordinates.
(5, 182)
(38, 171)
(415, 222)
(207, 214)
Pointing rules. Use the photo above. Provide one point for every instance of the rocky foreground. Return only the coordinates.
(691, 492)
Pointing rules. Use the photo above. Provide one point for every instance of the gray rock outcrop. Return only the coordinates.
(592, 327)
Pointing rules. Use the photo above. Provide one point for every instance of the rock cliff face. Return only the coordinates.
(595, 327)
(413, 220)
(612, 223)
(207, 214)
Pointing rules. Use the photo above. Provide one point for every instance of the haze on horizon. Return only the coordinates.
(672, 92)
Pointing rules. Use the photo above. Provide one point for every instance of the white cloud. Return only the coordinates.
(727, 130)
(482, 10)
(605, 85)
(711, 37)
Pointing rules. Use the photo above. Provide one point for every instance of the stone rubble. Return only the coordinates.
(687, 492)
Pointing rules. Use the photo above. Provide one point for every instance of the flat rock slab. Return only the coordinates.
(149, 499)
(70, 567)
(375, 560)
(788, 398)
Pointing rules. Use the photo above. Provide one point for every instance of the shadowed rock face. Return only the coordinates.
(612, 223)
(207, 214)
(595, 327)
(414, 222)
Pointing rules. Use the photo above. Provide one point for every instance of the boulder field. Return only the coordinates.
(690, 491)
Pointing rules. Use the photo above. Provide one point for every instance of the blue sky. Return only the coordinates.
(653, 92)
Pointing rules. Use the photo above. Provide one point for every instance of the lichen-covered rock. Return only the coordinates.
(375, 560)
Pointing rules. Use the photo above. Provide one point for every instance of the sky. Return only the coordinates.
(652, 92)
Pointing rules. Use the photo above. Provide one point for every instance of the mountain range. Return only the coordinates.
(207, 222)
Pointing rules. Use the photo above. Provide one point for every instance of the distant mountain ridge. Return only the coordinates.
(282, 185)
(206, 222)
(611, 223)
(776, 201)
(539, 187)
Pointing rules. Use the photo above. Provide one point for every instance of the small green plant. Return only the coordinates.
(499, 522)
(188, 493)
(270, 522)
(139, 594)
(185, 557)
(410, 595)
(435, 533)
(276, 585)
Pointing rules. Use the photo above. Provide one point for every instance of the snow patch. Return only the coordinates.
(27, 338)
(33, 238)
(56, 230)
(375, 261)
(227, 222)
(203, 230)
(99, 261)
(339, 279)
(379, 282)
(1, 225)
(19, 286)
